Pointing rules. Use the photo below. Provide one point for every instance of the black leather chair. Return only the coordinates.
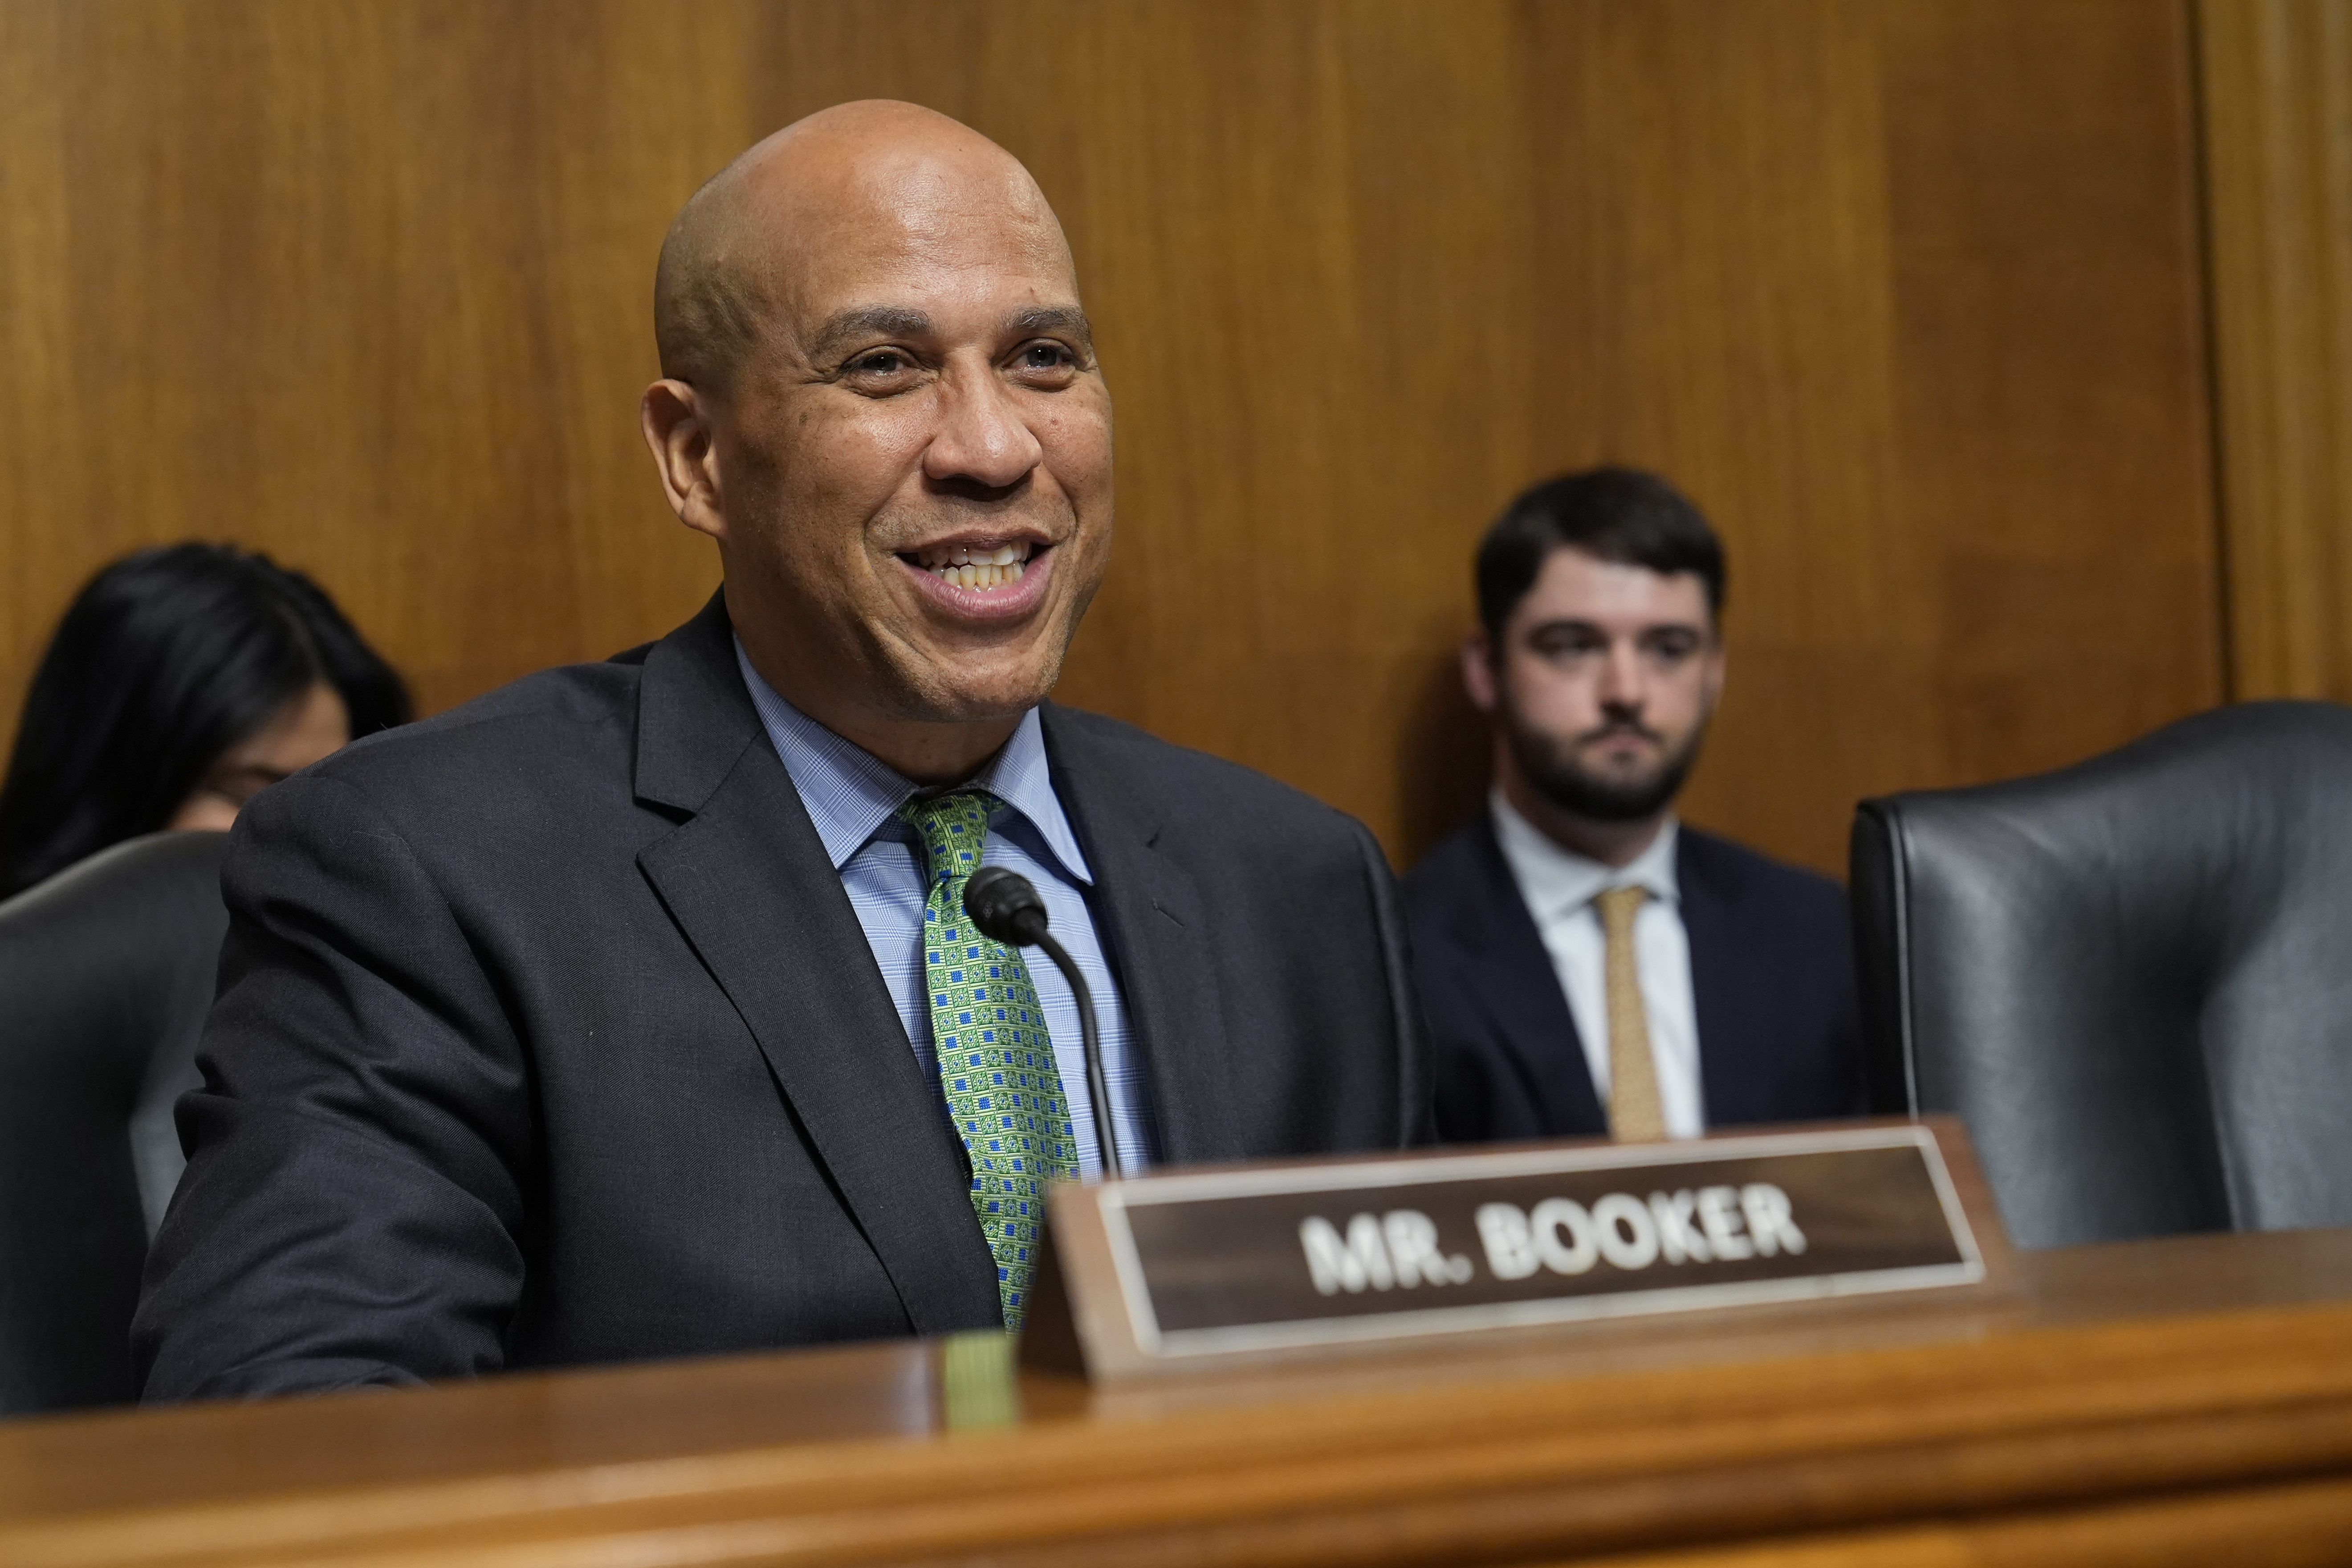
(2132, 978)
(106, 972)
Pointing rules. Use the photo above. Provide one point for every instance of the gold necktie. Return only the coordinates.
(1634, 1114)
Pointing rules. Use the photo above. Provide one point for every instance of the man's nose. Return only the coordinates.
(1623, 682)
(983, 437)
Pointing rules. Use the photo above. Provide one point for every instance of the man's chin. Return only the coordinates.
(1599, 801)
(947, 693)
(1606, 796)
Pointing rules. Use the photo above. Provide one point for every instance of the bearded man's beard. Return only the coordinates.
(1551, 765)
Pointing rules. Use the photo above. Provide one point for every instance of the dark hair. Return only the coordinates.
(165, 660)
(1620, 515)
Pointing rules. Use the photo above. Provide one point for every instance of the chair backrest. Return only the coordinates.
(106, 972)
(2132, 978)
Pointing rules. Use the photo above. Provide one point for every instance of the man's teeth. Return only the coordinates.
(992, 568)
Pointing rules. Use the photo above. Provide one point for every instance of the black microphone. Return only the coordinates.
(1005, 906)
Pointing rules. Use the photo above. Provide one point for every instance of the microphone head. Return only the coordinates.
(1005, 906)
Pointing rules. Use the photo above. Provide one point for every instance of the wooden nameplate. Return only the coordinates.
(1324, 1259)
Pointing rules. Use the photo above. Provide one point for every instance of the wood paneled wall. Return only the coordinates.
(2278, 117)
(1908, 295)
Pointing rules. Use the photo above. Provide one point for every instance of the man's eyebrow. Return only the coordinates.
(865, 321)
(869, 321)
(1066, 319)
(1581, 623)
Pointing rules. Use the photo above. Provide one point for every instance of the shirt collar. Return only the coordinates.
(1556, 881)
(852, 795)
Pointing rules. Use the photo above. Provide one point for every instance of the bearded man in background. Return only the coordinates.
(1588, 964)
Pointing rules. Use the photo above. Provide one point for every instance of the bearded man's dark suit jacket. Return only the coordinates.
(547, 1035)
(1771, 953)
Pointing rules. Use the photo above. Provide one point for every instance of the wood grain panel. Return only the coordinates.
(1905, 293)
(2061, 459)
(2277, 78)
(2304, 1526)
(362, 285)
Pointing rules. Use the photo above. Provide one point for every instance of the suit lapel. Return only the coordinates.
(749, 883)
(1513, 983)
(1154, 924)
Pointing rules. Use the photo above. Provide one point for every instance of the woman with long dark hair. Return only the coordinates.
(183, 680)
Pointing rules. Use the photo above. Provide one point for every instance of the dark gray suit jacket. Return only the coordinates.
(547, 1035)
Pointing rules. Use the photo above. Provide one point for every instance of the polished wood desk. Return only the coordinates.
(2185, 1401)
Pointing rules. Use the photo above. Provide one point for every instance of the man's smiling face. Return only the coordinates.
(920, 451)
(904, 445)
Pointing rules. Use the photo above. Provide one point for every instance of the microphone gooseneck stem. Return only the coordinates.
(1097, 1086)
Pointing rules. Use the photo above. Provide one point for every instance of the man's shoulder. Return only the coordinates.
(1752, 881)
(520, 797)
(1184, 783)
(553, 720)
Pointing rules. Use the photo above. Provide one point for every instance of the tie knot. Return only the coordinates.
(954, 827)
(1619, 905)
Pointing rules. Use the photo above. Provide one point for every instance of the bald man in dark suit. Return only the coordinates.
(631, 1011)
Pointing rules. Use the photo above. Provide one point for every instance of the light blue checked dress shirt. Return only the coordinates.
(852, 797)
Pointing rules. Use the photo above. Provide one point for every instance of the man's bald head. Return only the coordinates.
(871, 173)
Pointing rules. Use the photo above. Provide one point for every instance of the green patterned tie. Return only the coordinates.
(996, 1061)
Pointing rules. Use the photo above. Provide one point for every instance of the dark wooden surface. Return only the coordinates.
(2144, 1401)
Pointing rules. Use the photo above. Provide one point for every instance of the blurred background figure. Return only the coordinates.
(183, 680)
(1587, 963)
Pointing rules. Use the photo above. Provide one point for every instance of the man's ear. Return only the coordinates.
(1712, 675)
(1479, 677)
(676, 419)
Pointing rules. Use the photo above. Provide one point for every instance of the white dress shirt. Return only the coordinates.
(1560, 885)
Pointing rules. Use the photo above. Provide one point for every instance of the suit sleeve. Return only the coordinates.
(358, 1150)
(1415, 1086)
